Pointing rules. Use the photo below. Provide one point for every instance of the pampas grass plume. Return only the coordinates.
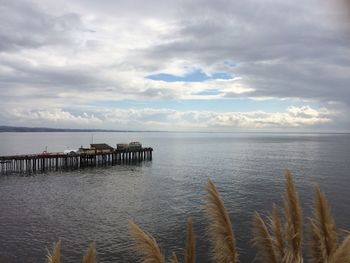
(220, 229)
(294, 221)
(277, 230)
(323, 230)
(190, 254)
(55, 256)
(145, 245)
(263, 241)
(342, 254)
(90, 256)
(174, 258)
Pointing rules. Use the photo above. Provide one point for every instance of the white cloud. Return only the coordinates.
(163, 119)
(52, 117)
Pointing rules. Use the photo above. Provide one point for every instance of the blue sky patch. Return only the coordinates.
(193, 76)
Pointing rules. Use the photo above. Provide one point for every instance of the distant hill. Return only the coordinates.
(43, 129)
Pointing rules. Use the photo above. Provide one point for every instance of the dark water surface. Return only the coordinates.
(96, 204)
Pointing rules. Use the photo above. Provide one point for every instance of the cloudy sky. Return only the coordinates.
(223, 65)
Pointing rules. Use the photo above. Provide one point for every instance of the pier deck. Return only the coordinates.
(33, 163)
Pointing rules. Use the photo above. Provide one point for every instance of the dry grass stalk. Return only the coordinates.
(55, 256)
(174, 258)
(277, 231)
(190, 255)
(323, 230)
(316, 255)
(90, 256)
(263, 241)
(145, 245)
(294, 222)
(220, 228)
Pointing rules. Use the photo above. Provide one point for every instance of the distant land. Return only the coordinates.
(44, 129)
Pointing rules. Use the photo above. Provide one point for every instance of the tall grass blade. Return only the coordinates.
(220, 229)
(145, 245)
(55, 256)
(190, 255)
(90, 256)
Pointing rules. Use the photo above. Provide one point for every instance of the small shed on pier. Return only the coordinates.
(86, 151)
(101, 148)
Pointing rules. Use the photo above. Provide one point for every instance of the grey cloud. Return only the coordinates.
(50, 77)
(131, 9)
(304, 80)
(24, 25)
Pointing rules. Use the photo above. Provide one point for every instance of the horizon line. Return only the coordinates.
(25, 129)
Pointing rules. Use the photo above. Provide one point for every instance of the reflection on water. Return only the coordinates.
(96, 204)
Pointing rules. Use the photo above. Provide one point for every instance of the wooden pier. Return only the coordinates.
(34, 163)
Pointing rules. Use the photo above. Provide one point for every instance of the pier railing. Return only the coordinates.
(33, 163)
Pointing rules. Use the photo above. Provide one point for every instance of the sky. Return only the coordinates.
(180, 65)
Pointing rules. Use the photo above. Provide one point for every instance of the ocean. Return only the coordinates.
(96, 204)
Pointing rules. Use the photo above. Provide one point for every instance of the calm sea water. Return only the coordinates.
(96, 204)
